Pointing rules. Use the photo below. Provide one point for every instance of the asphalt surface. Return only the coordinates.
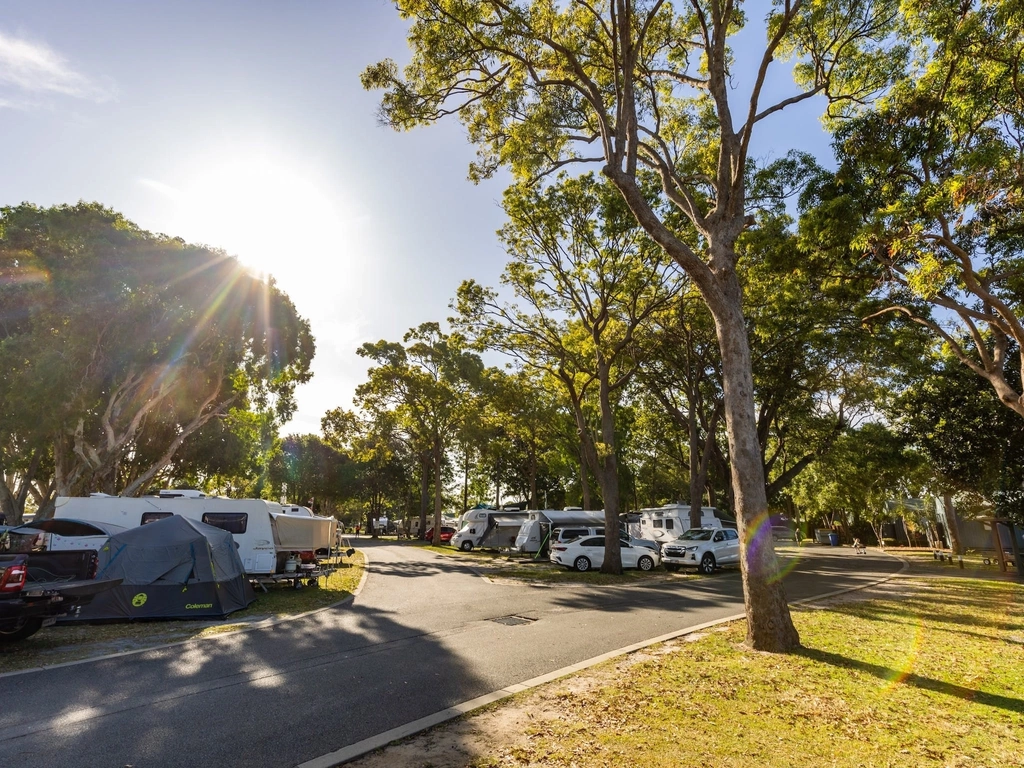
(420, 637)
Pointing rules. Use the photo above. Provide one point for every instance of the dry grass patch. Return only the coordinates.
(933, 676)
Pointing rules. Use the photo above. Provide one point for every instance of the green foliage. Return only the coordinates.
(118, 345)
(974, 444)
(314, 472)
(867, 467)
(932, 173)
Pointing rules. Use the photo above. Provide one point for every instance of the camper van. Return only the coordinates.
(488, 529)
(668, 522)
(565, 525)
(537, 527)
(266, 533)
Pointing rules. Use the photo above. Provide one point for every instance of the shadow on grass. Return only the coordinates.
(918, 681)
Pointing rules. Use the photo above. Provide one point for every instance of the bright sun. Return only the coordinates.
(274, 215)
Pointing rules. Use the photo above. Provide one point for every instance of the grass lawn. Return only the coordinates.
(55, 645)
(932, 677)
(973, 560)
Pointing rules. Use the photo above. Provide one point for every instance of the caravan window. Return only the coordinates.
(669, 525)
(152, 517)
(232, 522)
(659, 523)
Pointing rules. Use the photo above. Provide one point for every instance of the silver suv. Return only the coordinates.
(702, 548)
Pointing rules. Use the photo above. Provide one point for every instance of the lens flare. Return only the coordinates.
(757, 536)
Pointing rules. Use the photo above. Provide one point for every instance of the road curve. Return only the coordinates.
(420, 637)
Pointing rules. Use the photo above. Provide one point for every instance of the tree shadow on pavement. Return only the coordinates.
(270, 697)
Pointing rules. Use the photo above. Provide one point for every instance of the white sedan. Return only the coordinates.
(588, 552)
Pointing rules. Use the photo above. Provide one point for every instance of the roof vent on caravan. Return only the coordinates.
(100, 496)
(181, 493)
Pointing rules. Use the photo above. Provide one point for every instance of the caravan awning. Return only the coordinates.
(508, 520)
(293, 533)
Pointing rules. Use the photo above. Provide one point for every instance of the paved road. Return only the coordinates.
(419, 638)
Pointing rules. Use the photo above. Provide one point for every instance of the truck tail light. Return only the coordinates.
(13, 578)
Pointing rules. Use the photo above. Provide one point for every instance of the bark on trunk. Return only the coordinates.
(424, 491)
(607, 467)
(952, 525)
(534, 504)
(465, 480)
(438, 499)
(769, 624)
(584, 479)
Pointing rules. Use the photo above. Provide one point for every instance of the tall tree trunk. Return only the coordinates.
(952, 525)
(607, 468)
(424, 490)
(465, 479)
(769, 624)
(699, 469)
(438, 488)
(586, 501)
(534, 503)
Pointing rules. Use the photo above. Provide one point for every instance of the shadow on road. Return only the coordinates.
(270, 697)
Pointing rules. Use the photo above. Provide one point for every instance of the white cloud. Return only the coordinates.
(37, 68)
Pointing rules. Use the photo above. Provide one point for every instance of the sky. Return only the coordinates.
(242, 125)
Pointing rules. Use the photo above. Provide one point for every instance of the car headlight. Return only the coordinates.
(690, 549)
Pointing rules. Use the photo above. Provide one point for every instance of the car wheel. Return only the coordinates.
(466, 546)
(28, 628)
(581, 564)
(645, 563)
(707, 564)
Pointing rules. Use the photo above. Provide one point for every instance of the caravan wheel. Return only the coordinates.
(466, 546)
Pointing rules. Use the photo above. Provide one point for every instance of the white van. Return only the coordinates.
(488, 529)
(266, 533)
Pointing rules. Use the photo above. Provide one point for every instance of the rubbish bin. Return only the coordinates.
(833, 539)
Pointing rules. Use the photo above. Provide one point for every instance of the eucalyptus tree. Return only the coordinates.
(588, 282)
(380, 478)
(131, 343)
(645, 88)
(315, 472)
(526, 412)
(974, 445)
(427, 383)
(868, 467)
(683, 374)
(934, 170)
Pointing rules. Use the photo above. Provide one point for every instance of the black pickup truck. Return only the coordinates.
(37, 588)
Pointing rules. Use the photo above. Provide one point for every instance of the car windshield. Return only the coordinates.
(696, 534)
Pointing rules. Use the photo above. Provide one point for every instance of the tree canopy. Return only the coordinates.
(117, 346)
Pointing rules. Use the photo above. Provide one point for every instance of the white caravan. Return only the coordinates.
(668, 522)
(266, 533)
